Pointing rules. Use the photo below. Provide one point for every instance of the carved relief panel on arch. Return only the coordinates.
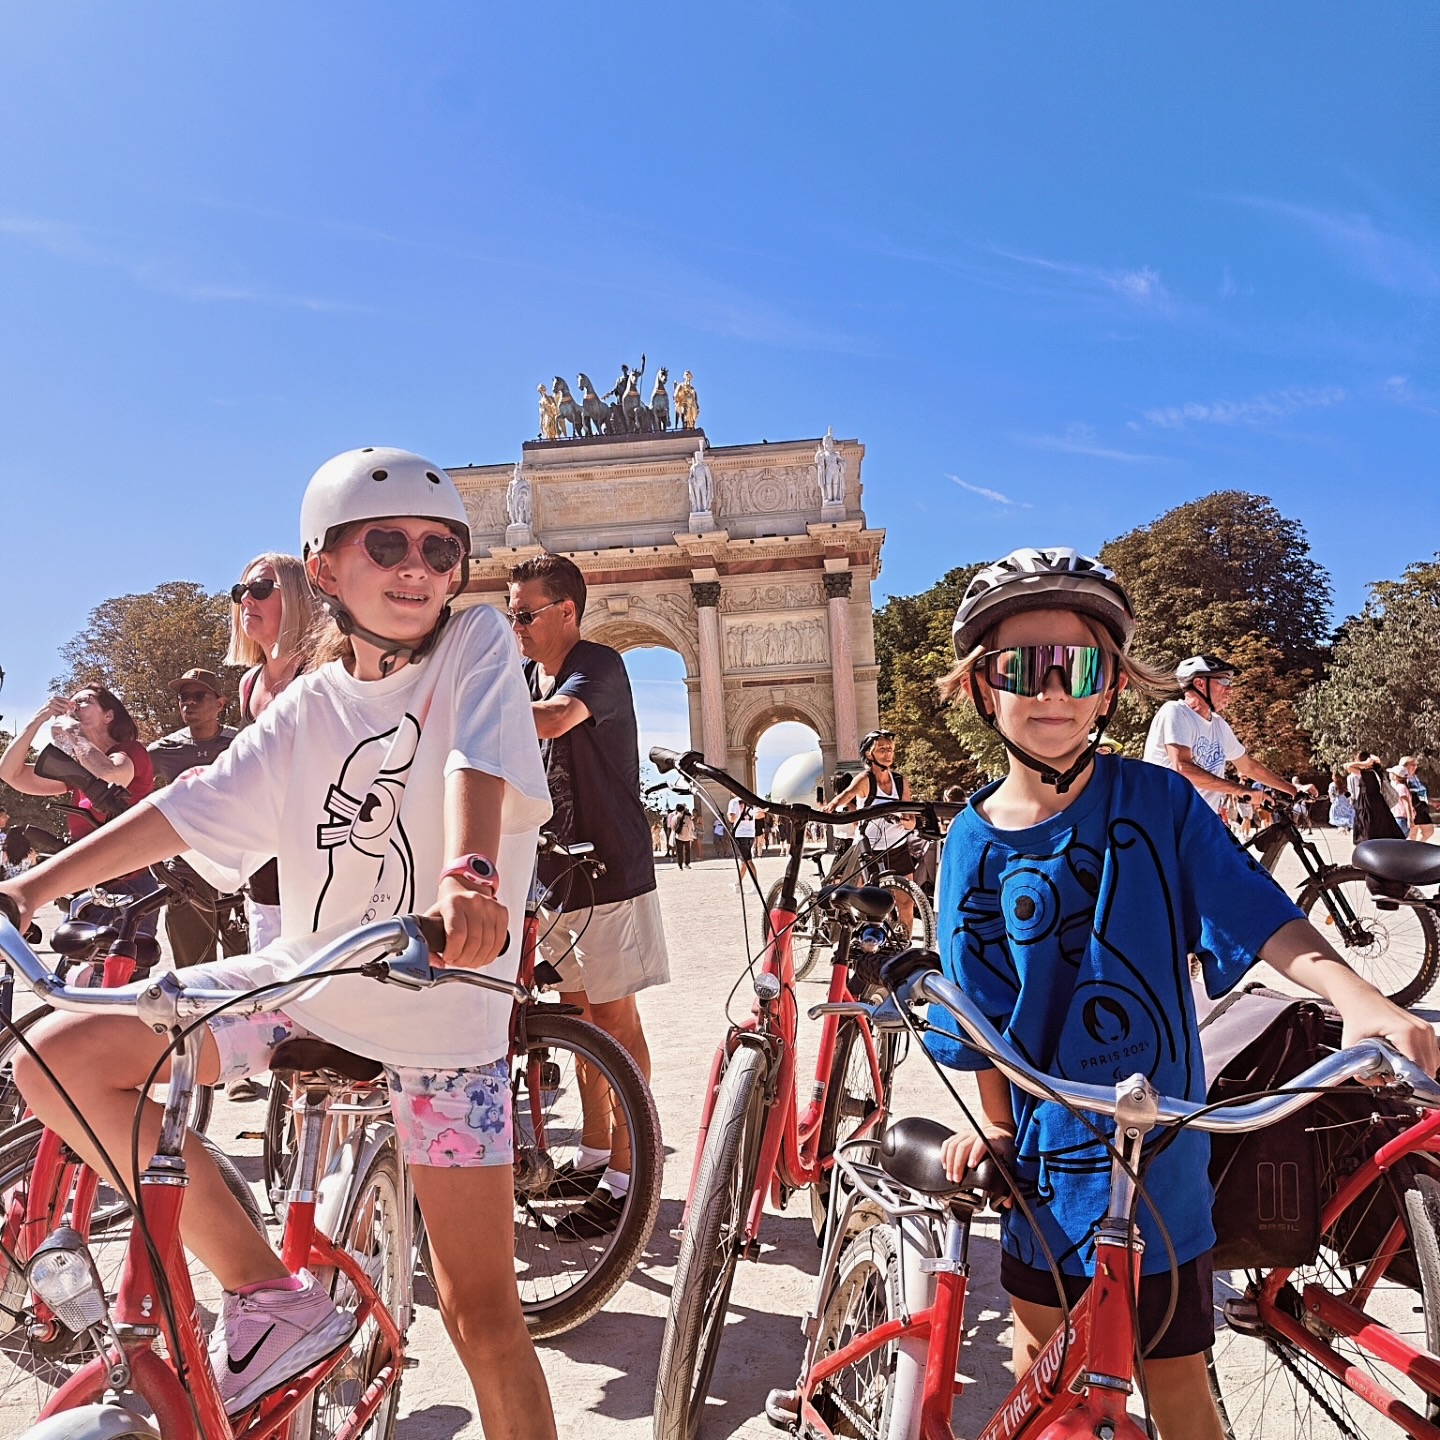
(770, 491)
(759, 644)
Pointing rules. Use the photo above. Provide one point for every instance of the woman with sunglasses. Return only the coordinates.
(400, 775)
(272, 611)
(1072, 893)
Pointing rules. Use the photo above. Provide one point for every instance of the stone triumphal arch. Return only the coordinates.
(752, 562)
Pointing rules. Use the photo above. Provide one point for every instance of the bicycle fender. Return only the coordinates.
(94, 1422)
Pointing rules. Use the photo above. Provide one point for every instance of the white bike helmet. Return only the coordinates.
(1197, 665)
(1056, 577)
(377, 484)
(381, 484)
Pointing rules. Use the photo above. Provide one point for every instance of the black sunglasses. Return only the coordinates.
(388, 548)
(260, 589)
(196, 697)
(527, 617)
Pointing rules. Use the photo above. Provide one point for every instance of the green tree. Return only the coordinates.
(1229, 574)
(1380, 692)
(912, 646)
(136, 644)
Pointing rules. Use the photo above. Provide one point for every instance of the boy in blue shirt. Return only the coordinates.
(1072, 893)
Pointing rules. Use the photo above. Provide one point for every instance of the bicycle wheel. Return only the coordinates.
(710, 1247)
(1268, 1388)
(856, 1400)
(1398, 950)
(32, 1365)
(564, 1281)
(372, 1230)
(850, 1102)
(811, 936)
(1422, 1210)
(281, 1134)
(924, 921)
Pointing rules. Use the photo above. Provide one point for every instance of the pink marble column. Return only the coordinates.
(842, 666)
(712, 682)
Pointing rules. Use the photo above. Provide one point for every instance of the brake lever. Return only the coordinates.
(1423, 1088)
(841, 1007)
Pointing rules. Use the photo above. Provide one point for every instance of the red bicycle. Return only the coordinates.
(889, 1318)
(756, 1140)
(350, 1226)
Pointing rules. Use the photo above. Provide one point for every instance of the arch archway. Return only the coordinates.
(652, 682)
(754, 716)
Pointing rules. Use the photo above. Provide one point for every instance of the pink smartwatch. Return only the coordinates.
(475, 870)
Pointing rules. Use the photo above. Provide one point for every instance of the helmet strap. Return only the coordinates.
(1194, 688)
(1049, 775)
(393, 653)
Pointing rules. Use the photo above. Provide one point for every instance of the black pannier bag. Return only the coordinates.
(1268, 1182)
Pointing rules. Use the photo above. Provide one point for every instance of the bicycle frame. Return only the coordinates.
(187, 1381)
(789, 1158)
(1079, 1380)
(1344, 1318)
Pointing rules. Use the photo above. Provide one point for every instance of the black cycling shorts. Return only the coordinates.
(1192, 1327)
(745, 844)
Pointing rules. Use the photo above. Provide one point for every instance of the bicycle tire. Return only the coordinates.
(856, 1401)
(277, 1156)
(372, 1229)
(810, 935)
(562, 1282)
(1422, 1209)
(33, 1367)
(1401, 955)
(850, 1103)
(1267, 1388)
(710, 1247)
(924, 912)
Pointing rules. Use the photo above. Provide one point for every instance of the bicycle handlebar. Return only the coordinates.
(396, 951)
(692, 765)
(920, 979)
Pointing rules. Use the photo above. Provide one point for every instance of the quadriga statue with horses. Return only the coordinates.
(621, 410)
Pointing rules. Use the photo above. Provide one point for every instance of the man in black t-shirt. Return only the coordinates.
(194, 928)
(606, 937)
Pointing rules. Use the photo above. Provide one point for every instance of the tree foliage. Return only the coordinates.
(912, 645)
(136, 644)
(29, 809)
(1380, 693)
(1229, 574)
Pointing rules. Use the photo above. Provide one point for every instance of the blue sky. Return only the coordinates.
(1059, 267)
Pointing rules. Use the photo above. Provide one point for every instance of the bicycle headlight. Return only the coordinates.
(62, 1274)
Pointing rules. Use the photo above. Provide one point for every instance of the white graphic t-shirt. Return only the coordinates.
(1212, 742)
(742, 819)
(343, 780)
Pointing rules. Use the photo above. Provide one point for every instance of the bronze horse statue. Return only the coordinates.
(596, 416)
(660, 400)
(566, 410)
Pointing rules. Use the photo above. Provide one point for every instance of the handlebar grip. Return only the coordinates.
(432, 927)
(662, 759)
(905, 966)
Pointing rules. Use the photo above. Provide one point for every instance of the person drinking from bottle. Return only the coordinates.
(400, 774)
(1072, 893)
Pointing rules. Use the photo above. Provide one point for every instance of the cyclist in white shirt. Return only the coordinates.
(742, 823)
(1192, 737)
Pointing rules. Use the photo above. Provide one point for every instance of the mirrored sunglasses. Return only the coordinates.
(389, 549)
(1025, 669)
(260, 589)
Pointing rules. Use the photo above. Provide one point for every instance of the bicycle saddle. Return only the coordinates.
(865, 902)
(910, 1155)
(78, 938)
(312, 1054)
(1407, 862)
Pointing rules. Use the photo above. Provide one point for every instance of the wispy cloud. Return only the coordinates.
(988, 494)
(79, 246)
(1082, 440)
(1263, 409)
(1142, 287)
(1384, 257)
(1399, 389)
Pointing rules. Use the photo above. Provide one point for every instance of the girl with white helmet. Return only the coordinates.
(400, 774)
(1072, 894)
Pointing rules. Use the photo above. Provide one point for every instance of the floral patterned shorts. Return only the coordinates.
(450, 1119)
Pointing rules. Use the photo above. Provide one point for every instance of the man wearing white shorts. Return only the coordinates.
(604, 935)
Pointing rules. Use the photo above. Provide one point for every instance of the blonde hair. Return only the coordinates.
(1149, 681)
(298, 610)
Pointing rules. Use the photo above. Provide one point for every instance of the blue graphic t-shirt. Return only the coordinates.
(1073, 937)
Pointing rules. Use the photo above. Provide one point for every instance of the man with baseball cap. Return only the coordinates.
(193, 927)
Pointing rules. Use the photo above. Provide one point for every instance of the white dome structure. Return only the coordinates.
(798, 778)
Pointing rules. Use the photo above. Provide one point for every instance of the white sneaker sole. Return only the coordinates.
(317, 1346)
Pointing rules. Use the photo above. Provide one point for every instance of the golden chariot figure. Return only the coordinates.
(687, 404)
(549, 415)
